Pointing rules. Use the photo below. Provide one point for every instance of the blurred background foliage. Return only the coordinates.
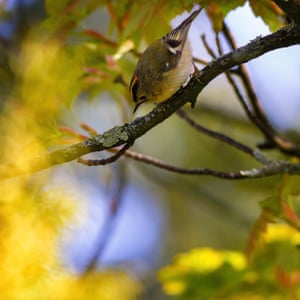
(64, 63)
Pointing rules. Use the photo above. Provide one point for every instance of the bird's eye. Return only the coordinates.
(142, 98)
(173, 43)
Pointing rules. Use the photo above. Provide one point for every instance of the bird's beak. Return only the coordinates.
(136, 107)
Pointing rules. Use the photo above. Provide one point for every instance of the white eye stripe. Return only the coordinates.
(172, 50)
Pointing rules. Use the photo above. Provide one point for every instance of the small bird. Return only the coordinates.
(164, 67)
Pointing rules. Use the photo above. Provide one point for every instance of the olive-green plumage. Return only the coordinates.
(164, 66)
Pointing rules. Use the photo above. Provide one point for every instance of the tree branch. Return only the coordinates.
(291, 8)
(216, 135)
(128, 133)
(105, 161)
(270, 167)
(256, 114)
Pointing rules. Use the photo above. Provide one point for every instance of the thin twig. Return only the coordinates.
(291, 8)
(270, 168)
(230, 79)
(244, 75)
(189, 171)
(106, 231)
(234, 85)
(119, 135)
(215, 135)
(207, 47)
(105, 161)
(200, 61)
(259, 117)
(218, 43)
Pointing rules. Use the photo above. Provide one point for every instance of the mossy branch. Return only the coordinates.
(129, 132)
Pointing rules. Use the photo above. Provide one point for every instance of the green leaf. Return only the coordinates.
(217, 11)
(269, 12)
(65, 15)
(272, 204)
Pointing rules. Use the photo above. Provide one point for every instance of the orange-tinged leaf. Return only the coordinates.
(287, 279)
(255, 239)
(100, 37)
(283, 277)
(71, 133)
(88, 129)
(125, 19)
(217, 11)
(269, 12)
(290, 215)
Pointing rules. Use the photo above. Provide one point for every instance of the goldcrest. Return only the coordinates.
(164, 67)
